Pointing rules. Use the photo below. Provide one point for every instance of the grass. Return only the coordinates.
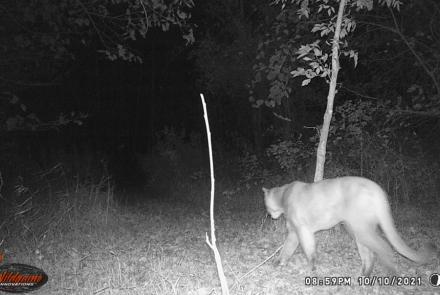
(90, 244)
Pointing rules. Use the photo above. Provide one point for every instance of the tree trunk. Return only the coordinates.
(322, 147)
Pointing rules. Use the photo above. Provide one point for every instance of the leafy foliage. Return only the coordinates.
(275, 60)
(290, 30)
(224, 57)
(292, 155)
(43, 37)
(22, 120)
(383, 37)
(47, 29)
(253, 172)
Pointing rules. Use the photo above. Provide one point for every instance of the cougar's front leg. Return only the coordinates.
(289, 247)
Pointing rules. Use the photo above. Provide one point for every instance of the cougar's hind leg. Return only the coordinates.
(367, 257)
(383, 253)
(370, 243)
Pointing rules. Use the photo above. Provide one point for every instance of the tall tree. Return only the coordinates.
(316, 57)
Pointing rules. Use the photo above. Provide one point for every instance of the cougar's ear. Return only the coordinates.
(265, 190)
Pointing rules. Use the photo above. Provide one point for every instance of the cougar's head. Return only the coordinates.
(272, 204)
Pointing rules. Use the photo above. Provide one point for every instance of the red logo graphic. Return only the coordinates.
(20, 278)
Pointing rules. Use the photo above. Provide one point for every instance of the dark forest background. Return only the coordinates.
(90, 86)
(104, 173)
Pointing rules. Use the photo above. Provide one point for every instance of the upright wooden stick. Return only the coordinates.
(218, 260)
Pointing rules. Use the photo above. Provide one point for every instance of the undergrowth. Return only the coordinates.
(73, 226)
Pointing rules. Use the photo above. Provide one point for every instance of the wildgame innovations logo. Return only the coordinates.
(21, 278)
